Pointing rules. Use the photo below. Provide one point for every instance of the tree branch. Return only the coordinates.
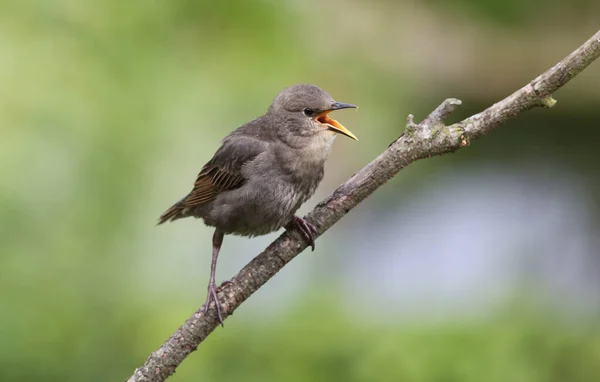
(431, 137)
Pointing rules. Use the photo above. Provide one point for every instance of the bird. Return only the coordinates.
(263, 172)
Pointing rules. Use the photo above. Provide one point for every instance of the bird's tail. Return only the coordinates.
(175, 212)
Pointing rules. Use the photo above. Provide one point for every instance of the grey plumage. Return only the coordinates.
(265, 170)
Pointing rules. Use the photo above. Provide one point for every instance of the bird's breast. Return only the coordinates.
(278, 183)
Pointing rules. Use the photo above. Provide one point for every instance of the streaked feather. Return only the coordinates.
(223, 172)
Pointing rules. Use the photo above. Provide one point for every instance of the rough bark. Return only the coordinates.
(430, 137)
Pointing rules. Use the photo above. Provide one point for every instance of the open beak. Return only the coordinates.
(334, 125)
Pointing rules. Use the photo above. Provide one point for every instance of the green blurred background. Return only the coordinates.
(482, 265)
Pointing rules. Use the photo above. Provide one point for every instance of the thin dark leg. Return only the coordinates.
(307, 230)
(212, 287)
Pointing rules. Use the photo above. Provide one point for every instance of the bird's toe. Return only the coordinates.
(212, 296)
(307, 230)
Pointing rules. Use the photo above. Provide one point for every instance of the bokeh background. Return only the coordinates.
(481, 265)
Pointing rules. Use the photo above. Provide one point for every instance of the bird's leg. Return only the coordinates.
(306, 229)
(217, 240)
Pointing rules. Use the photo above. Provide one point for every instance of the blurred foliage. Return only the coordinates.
(303, 346)
(513, 13)
(107, 111)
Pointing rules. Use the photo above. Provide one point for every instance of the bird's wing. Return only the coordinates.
(224, 171)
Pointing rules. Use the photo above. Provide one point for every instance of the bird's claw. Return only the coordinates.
(212, 296)
(224, 284)
(306, 229)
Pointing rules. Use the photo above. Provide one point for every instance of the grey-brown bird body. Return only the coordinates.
(265, 170)
(262, 179)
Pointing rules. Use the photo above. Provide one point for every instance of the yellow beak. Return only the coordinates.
(334, 125)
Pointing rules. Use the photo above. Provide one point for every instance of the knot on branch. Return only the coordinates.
(548, 101)
(410, 123)
(434, 121)
(464, 140)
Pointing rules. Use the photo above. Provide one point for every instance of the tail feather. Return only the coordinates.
(175, 212)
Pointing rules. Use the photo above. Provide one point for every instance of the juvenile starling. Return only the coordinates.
(264, 171)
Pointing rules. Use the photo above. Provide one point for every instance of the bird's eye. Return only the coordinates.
(309, 112)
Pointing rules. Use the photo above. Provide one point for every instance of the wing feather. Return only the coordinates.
(222, 173)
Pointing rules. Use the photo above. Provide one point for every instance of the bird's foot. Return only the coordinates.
(306, 229)
(212, 296)
(224, 284)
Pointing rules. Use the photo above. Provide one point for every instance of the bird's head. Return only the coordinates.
(307, 108)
